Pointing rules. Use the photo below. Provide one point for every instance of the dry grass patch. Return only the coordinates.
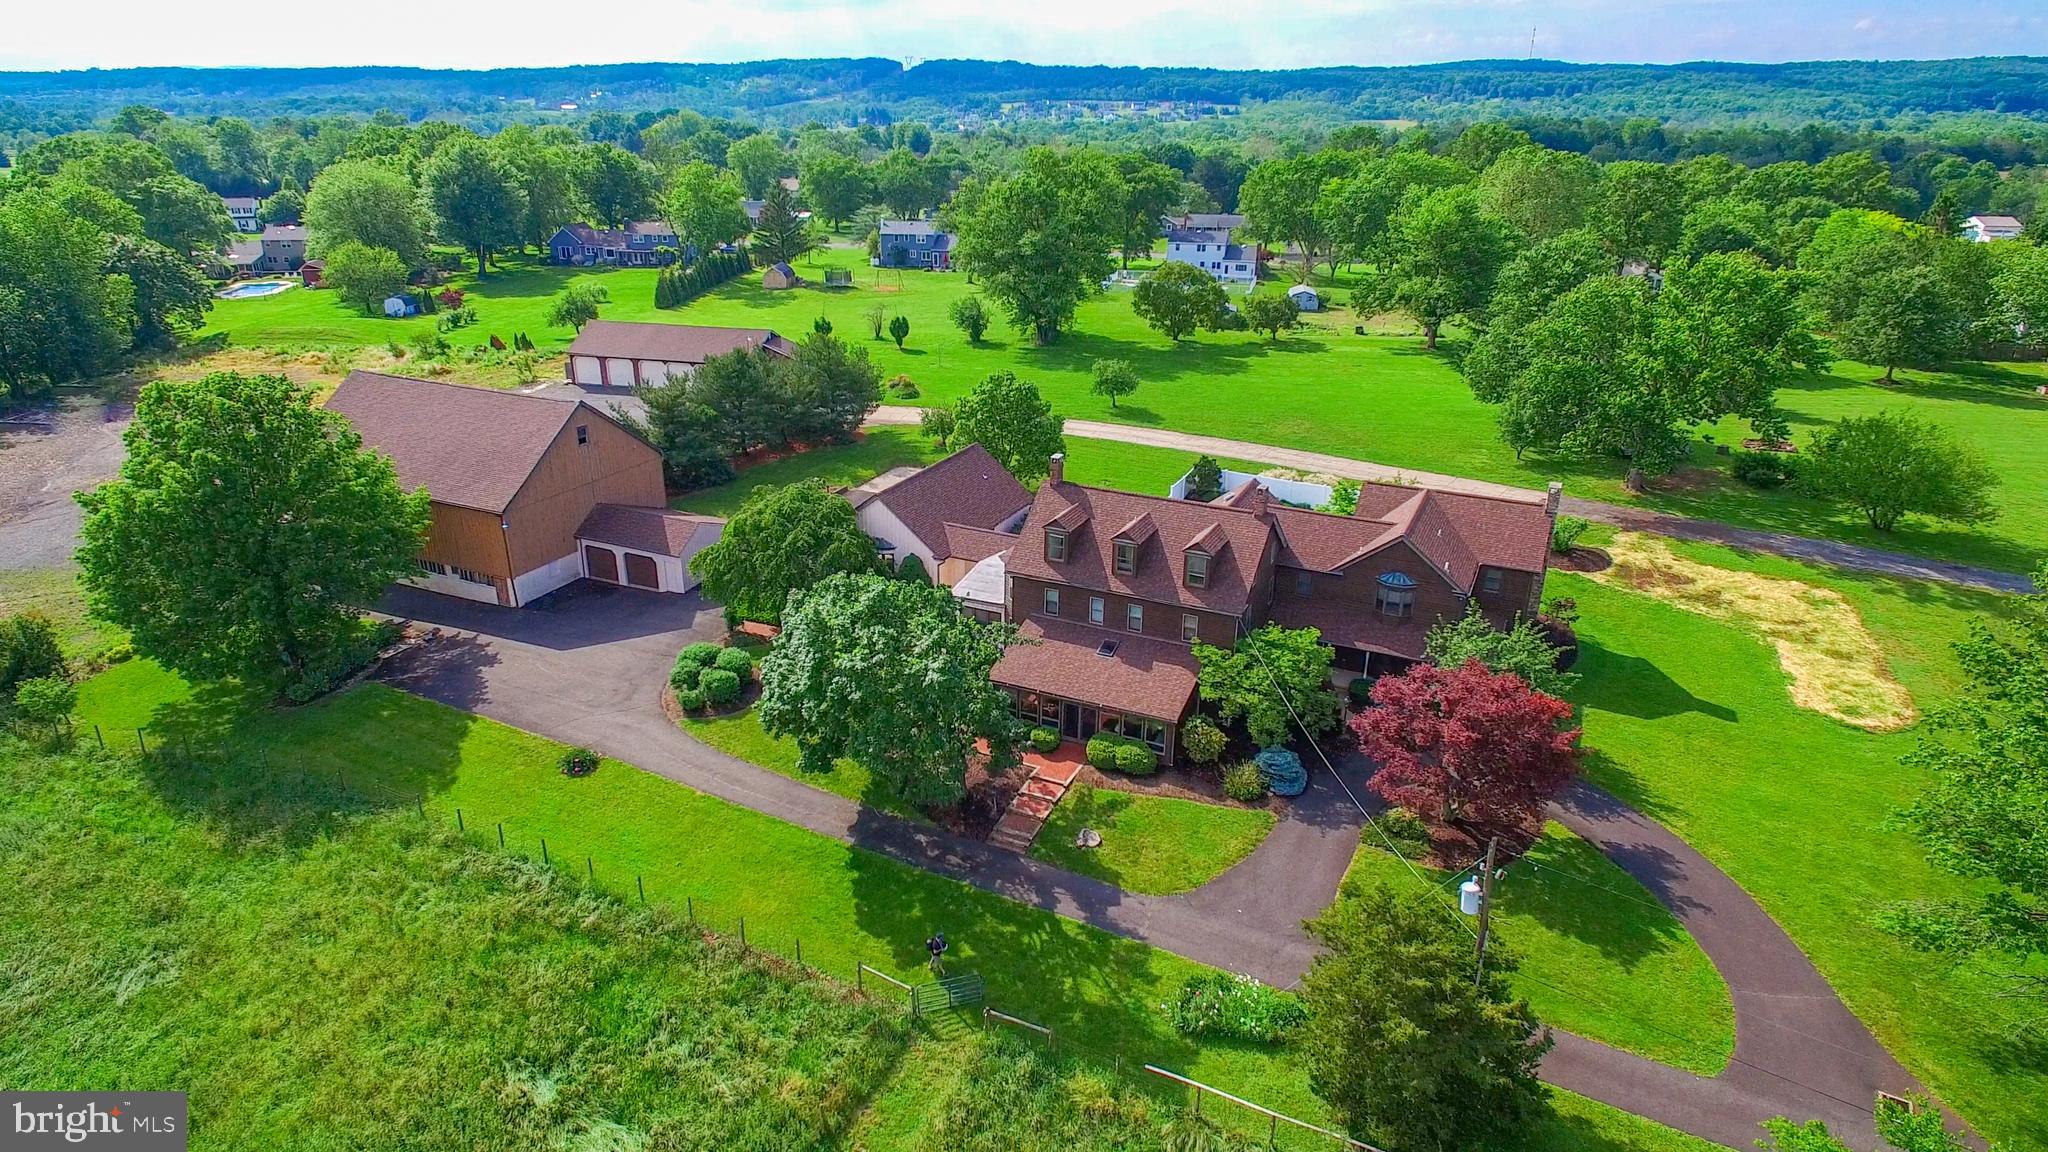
(1836, 666)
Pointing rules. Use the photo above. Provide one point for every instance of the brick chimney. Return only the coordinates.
(1261, 500)
(1056, 468)
(1553, 499)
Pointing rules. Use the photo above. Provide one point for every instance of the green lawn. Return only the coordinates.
(54, 592)
(741, 735)
(1154, 844)
(1691, 723)
(1378, 397)
(845, 905)
(1599, 955)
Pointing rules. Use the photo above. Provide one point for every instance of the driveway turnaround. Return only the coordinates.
(586, 666)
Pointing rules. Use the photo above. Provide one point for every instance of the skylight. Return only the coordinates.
(1107, 648)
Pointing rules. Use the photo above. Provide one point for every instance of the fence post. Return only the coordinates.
(590, 869)
(1273, 1133)
(640, 883)
(799, 951)
(860, 976)
(501, 833)
(422, 804)
(97, 736)
(544, 850)
(690, 907)
(458, 820)
(141, 743)
(743, 933)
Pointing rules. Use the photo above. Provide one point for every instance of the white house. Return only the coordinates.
(951, 516)
(1984, 229)
(1213, 252)
(618, 354)
(242, 212)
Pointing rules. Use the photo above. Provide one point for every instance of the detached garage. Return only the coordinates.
(618, 354)
(644, 547)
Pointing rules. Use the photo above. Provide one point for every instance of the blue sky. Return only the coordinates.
(1230, 34)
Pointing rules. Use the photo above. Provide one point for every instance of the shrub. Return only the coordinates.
(1408, 833)
(1283, 771)
(1235, 1008)
(1045, 739)
(1102, 751)
(1764, 469)
(1202, 740)
(1564, 535)
(735, 661)
(1135, 759)
(45, 699)
(691, 662)
(690, 699)
(719, 686)
(29, 650)
(903, 386)
(578, 761)
(1243, 781)
(1359, 692)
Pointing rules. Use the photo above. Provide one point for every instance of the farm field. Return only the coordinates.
(1378, 397)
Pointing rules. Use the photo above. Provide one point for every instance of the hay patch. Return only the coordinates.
(1836, 667)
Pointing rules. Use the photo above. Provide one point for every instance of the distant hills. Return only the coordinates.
(789, 91)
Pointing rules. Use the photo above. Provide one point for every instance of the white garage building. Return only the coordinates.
(618, 354)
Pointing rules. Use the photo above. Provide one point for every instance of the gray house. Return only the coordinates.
(640, 244)
(284, 248)
(913, 244)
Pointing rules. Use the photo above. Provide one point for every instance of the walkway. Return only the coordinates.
(1051, 775)
(586, 667)
(1806, 548)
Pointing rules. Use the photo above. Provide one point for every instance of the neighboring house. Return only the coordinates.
(242, 211)
(640, 244)
(778, 276)
(1204, 221)
(1212, 251)
(529, 493)
(951, 516)
(753, 207)
(913, 244)
(620, 354)
(237, 260)
(1305, 298)
(1984, 229)
(1109, 590)
(284, 248)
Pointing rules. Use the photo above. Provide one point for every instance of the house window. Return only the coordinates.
(1052, 601)
(472, 577)
(583, 433)
(1190, 627)
(1396, 595)
(434, 567)
(1303, 583)
(1056, 544)
(1489, 580)
(1126, 558)
(1134, 617)
(1095, 609)
(1198, 569)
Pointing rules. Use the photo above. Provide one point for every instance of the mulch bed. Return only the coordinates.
(1583, 558)
(1173, 782)
(749, 692)
(988, 797)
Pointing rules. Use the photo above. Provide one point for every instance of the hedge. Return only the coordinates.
(1112, 753)
(1045, 739)
(719, 686)
(735, 661)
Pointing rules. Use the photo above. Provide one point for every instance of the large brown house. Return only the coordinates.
(529, 493)
(1111, 589)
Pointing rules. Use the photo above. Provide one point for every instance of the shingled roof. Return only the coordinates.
(675, 343)
(969, 488)
(659, 531)
(1236, 540)
(472, 447)
(1458, 532)
(1148, 676)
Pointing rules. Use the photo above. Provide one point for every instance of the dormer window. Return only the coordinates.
(1198, 569)
(1126, 558)
(1056, 545)
(1395, 596)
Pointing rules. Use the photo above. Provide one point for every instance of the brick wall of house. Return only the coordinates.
(1358, 587)
(1162, 621)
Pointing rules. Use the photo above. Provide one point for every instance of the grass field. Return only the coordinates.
(1599, 955)
(1693, 722)
(1154, 844)
(1378, 397)
(845, 905)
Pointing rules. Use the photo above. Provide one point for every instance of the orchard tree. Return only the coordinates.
(1446, 253)
(1272, 676)
(1401, 1040)
(364, 202)
(782, 540)
(1893, 464)
(834, 184)
(1467, 744)
(1177, 299)
(475, 198)
(577, 305)
(616, 185)
(246, 532)
(364, 277)
(1114, 378)
(1039, 239)
(1008, 417)
(891, 675)
(1523, 649)
(1271, 313)
(970, 316)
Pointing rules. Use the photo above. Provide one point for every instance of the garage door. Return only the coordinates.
(601, 563)
(587, 370)
(618, 373)
(640, 572)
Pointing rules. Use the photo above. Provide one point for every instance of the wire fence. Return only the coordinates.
(927, 1001)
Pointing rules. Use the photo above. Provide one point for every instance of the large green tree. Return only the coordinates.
(1357, 210)
(1403, 1042)
(1903, 316)
(908, 184)
(1013, 422)
(683, 430)
(544, 176)
(1148, 191)
(1523, 649)
(1892, 464)
(1539, 191)
(1040, 238)
(782, 540)
(832, 387)
(891, 675)
(246, 532)
(1271, 678)
(1445, 255)
(703, 206)
(1280, 200)
(759, 161)
(1640, 211)
(364, 277)
(476, 198)
(835, 185)
(364, 202)
(616, 185)
(780, 234)
(169, 293)
(63, 316)
(1177, 299)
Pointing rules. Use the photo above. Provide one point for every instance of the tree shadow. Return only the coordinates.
(1633, 686)
(1135, 414)
(1574, 891)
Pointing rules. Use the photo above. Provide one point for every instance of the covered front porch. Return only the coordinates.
(1079, 680)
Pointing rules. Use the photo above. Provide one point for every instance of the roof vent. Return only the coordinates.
(1107, 648)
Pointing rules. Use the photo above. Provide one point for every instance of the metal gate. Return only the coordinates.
(951, 992)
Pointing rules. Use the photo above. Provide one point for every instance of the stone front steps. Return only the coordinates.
(1050, 778)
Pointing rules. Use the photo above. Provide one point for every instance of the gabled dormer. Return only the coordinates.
(1060, 533)
(1129, 542)
(1199, 556)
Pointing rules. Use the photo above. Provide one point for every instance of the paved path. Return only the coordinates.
(1807, 548)
(586, 667)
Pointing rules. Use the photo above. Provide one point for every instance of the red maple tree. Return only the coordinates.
(1467, 744)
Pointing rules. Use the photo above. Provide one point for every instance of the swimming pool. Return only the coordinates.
(252, 289)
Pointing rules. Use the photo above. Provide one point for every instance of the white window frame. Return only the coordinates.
(1126, 558)
(1189, 575)
(1134, 617)
(1095, 609)
(1190, 627)
(1050, 602)
(1056, 545)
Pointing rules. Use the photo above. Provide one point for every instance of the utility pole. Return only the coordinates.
(1485, 909)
